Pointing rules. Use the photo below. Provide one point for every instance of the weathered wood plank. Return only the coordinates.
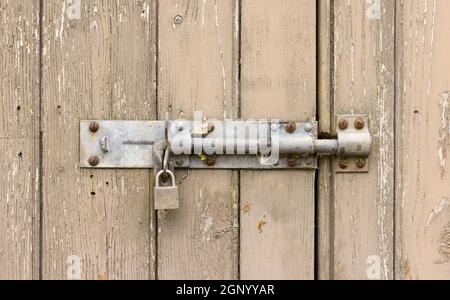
(198, 71)
(324, 215)
(278, 80)
(19, 139)
(364, 83)
(99, 66)
(423, 140)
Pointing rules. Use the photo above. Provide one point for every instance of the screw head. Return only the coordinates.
(361, 163)
(343, 124)
(210, 161)
(94, 161)
(179, 161)
(94, 127)
(308, 127)
(309, 161)
(359, 123)
(178, 20)
(344, 164)
(274, 127)
(291, 127)
(292, 162)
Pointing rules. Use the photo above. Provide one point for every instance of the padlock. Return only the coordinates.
(166, 197)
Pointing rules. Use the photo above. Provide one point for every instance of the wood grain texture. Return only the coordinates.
(278, 80)
(19, 139)
(423, 140)
(100, 66)
(364, 83)
(198, 72)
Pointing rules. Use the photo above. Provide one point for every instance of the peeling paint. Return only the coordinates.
(444, 245)
(443, 132)
(222, 59)
(443, 205)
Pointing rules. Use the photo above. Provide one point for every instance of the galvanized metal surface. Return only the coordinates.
(217, 144)
(355, 142)
(166, 196)
(129, 143)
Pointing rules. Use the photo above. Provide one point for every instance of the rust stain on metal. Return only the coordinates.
(94, 126)
(344, 164)
(292, 162)
(359, 123)
(343, 124)
(210, 161)
(291, 127)
(94, 161)
(361, 163)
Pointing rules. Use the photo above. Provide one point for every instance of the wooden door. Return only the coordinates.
(63, 61)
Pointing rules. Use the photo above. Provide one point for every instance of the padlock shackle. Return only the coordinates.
(172, 177)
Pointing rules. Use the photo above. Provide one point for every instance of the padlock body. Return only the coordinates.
(166, 197)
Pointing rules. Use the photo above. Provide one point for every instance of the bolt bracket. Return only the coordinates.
(354, 144)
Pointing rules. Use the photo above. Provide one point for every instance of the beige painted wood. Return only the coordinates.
(324, 251)
(423, 140)
(19, 139)
(364, 83)
(100, 66)
(198, 72)
(278, 80)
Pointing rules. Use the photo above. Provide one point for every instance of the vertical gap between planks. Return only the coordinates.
(325, 112)
(237, 63)
(333, 130)
(395, 123)
(40, 201)
(156, 214)
(317, 178)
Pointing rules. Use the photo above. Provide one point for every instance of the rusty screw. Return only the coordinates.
(343, 124)
(291, 127)
(94, 126)
(361, 163)
(309, 161)
(344, 164)
(359, 123)
(292, 162)
(94, 160)
(210, 161)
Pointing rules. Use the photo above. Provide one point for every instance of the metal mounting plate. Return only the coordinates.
(353, 164)
(129, 144)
